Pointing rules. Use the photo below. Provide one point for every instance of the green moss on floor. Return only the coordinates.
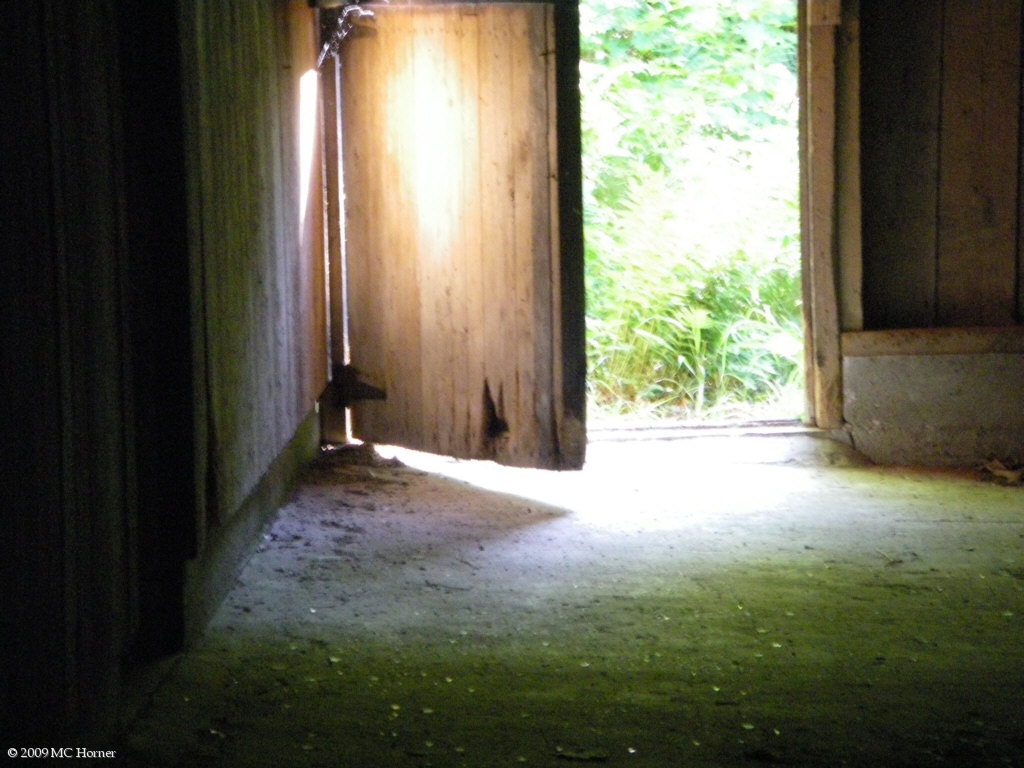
(680, 612)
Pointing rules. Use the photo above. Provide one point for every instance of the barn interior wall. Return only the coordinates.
(256, 291)
(939, 117)
(67, 478)
(258, 295)
(162, 312)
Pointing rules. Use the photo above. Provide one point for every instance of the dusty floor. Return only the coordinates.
(711, 602)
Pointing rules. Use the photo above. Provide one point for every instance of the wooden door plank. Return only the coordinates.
(446, 265)
(567, 234)
(534, 254)
(519, 390)
(401, 261)
(333, 427)
(980, 163)
(498, 204)
(825, 13)
(568, 406)
(544, 233)
(469, 308)
(376, 128)
(532, 243)
(432, 182)
(357, 112)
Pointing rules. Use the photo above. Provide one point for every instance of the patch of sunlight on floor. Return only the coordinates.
(637, 484)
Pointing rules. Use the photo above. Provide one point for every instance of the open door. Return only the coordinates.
(462, 230)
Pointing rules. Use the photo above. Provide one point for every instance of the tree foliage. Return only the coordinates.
(691, 185)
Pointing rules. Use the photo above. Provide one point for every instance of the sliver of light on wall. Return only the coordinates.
(307, 138)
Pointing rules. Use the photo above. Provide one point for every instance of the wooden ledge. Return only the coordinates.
(934, 341)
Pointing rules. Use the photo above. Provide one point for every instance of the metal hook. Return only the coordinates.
(348, 19)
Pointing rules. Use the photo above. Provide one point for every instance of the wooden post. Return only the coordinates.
(823, 16)
(848, 185)
(824, 13)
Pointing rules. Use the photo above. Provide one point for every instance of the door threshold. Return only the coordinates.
(669, 430)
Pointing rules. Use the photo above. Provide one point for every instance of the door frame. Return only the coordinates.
(829, 201)
(829, 196)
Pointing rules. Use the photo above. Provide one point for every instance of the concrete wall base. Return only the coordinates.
(936, 410)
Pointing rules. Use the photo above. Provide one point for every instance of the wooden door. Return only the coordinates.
(464, 286)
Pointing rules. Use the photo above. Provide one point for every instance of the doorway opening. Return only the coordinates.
(692, 210)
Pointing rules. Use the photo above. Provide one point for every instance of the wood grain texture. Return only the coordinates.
(900, 101)
(261, 311)
(806, 296)
(941, 167)
(976, 276)
(820, 60)
(451, 227)
(69, 407)
(825, 13)
(935, 341)
(849, 219)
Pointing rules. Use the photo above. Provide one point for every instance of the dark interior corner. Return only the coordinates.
(168, 332)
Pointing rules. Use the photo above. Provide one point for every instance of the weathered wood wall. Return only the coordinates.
(160, 318)
(105, 383)
(66, 468)
(941, 163)
(257, 258)
(932, 342)
(452, 227)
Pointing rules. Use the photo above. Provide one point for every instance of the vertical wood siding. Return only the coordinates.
(452, 229)
(260, 310)
(980, 160)
(66, 412)
(940, 121)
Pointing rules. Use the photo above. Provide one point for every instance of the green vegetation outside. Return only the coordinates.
(691, 191)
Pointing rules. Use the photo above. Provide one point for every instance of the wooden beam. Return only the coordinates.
(820, 61)
(810, 377)
(824, 13)
(848, 203)
(934, 341)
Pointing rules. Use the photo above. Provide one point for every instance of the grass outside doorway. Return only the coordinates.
(691, 205)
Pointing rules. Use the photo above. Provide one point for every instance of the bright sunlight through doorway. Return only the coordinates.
(691, 209)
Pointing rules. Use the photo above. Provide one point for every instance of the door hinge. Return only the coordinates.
(347, 388)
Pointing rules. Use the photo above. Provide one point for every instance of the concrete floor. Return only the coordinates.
(719, 601)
